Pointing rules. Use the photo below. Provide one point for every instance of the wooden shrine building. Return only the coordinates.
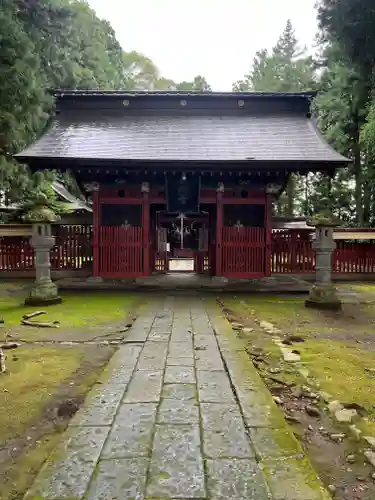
(182, 181)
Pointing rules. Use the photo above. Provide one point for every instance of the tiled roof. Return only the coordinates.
(178, 137)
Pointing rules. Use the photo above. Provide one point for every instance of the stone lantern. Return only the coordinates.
(41, 215)
(323, 294)
(44, 291)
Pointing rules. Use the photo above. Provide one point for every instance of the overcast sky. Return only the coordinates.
(214, 38)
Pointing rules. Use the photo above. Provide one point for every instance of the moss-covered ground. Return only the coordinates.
(338, 354)
(41, 377)
(78, 310)
(339, 348)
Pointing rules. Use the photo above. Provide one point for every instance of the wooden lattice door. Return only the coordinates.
(120, 252)
(244, 252)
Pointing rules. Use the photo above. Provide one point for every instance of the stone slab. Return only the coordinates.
(144, 387)
(203, 361)
(119, 479)
(156, 336)
(219, 416)
(226, 443)
(224, 434)
(100, 406)
(133, 414)
(262, 416)
(183, 337)
(176, 411)
(151, 364)
(233, 479)
(179, 375)
(132, 431)
(181, 349)
(154, 349)
(179, 391)
(176, 469)
(171, 361)
(204, 330)
(293, 478)
(274, 443)
(121, 366)
(208, 341)
(214, 387)
(68, 470)
(232, 344)
(137, 334)
(257, 405)
(162, 328)
(126, 355)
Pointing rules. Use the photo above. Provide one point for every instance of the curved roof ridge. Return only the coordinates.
(166, 93)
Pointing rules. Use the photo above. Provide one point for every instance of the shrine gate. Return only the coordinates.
(182, 182)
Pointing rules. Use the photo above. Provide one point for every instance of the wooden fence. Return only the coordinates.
(291, 252)
(72, 251)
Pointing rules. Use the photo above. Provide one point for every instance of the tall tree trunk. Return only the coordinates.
(306, 211)
(329, 190)
(366, 202)
(358, 173)
(291, 193)
(279, 207)
(358, 186)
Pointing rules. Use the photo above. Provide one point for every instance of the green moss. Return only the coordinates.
(24, 391)
(28, 387)
(20, 476)
(275, 443)
(163, 475)
(30, 381)
(77, 310)
(293, 478)
(363, 287)
(342, 370)
(243, 369)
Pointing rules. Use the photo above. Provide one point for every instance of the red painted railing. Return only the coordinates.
(292, 253)
(354, 258)
(73, 250)
(16, 254)
(243, 252)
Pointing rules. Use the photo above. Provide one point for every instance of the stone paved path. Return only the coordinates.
(179, 413)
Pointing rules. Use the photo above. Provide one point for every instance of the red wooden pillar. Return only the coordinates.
(219, 228)
(268, 229)
(96, 235)
(146, 227)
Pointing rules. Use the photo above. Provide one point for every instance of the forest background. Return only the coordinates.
(62, 44)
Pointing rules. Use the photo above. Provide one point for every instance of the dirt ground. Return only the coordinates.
(50, 372)
(338, 353)
(31, 426)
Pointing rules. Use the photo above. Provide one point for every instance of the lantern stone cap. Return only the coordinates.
(323, 219)
(41, 215)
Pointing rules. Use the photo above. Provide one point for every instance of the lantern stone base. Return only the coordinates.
(43, 293)
(94, 279)
(323, 297)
